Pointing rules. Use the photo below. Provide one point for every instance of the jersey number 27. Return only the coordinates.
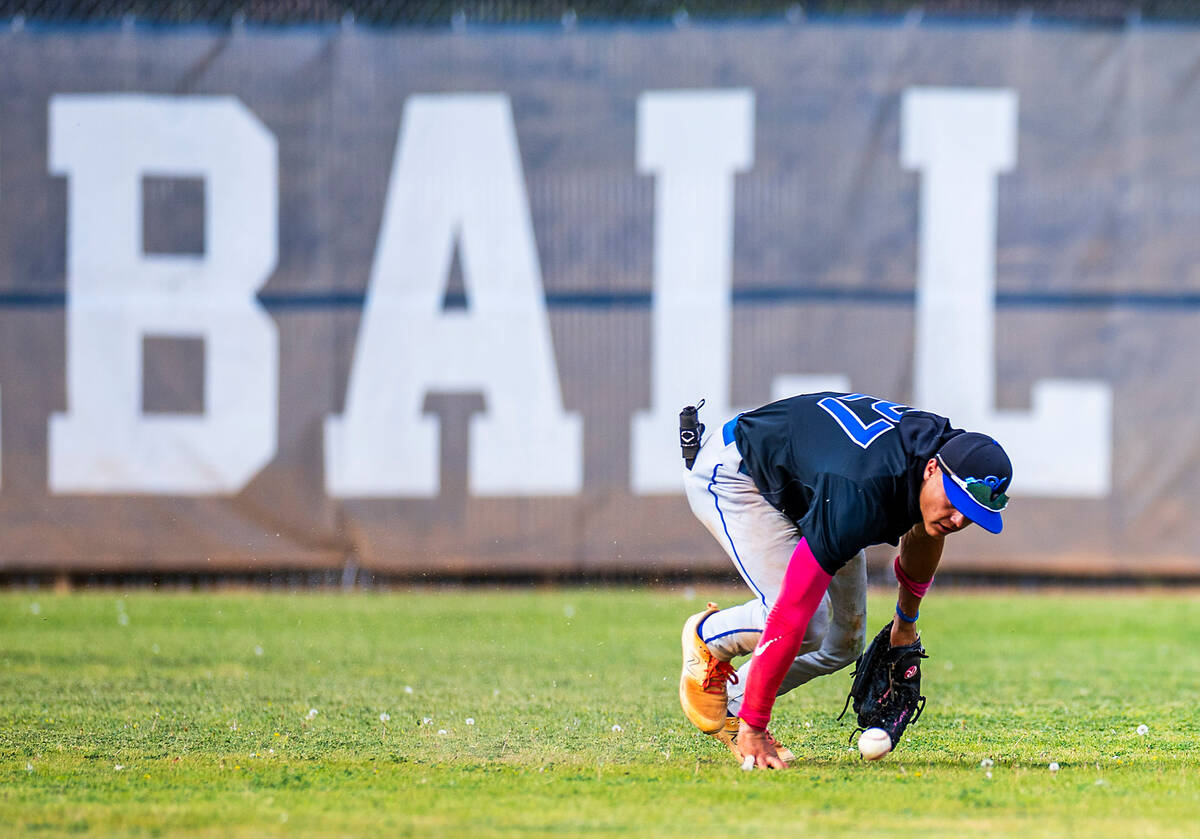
(863, 433)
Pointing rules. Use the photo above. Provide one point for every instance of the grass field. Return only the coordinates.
(458, 712)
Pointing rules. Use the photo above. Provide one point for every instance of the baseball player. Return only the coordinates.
(794, 491)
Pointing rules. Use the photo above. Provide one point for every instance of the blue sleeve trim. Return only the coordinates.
(727, 430)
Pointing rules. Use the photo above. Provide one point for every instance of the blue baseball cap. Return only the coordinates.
(976, 474)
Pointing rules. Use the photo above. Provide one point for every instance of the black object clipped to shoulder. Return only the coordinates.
(691, 430)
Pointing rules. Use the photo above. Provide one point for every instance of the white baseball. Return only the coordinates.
(874, 743)
(748, 763)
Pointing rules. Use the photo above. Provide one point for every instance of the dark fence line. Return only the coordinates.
(361, 580)
(458, 13)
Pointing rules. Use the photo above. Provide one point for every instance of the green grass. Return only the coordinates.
(203, 702)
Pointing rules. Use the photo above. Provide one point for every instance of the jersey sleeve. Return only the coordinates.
(842, 519)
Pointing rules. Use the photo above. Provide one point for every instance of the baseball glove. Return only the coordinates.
(886, 691)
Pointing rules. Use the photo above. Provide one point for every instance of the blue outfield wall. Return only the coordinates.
(431, 302)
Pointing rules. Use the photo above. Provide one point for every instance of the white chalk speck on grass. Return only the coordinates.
(28, 767)
(426, 720)
(986, 763)
(1143, 730)
(385, 716)
(1053, 767)
(470, 720)
(443, 731)
(258, 650)
(118, 767)
(408, 688)
(988, 774)
(312, 713)
(616, 728)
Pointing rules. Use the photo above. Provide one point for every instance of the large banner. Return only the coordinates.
(431, 302)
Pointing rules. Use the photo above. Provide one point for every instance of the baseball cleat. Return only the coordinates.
(728, 735)
(702, 691)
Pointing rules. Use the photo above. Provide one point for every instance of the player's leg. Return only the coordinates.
(835, 637)
(846, 637)
(735, 631)
(757, 538)
(760, 541)
(818, 628)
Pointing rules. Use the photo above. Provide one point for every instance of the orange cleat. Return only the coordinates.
(702, 690)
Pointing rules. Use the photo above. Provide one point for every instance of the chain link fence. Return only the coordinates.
(458, 13)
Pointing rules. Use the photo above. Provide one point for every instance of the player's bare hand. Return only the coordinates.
(757, 744)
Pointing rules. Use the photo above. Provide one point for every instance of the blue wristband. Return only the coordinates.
(905, 617)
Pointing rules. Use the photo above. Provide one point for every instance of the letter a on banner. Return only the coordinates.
(117, 295)
(456, 180)
(961, 139)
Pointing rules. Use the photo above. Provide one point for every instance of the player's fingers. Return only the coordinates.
(770, 762)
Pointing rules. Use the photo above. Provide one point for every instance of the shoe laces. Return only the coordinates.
(718, 673)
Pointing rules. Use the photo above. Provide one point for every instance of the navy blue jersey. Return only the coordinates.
(847, 468)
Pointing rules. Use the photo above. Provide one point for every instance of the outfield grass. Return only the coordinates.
(553, 713)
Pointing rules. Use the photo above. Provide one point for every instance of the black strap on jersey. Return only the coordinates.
(690, 432)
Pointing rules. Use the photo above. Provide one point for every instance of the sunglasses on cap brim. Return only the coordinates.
(980, 491)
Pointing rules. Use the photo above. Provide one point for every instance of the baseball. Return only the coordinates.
(874, 743)
(748, 763)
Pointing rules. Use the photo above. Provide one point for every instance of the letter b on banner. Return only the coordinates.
(117, 295)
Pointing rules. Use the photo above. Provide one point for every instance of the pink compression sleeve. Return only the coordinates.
(804, 584)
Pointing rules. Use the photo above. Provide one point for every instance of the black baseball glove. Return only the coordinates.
(887, 686)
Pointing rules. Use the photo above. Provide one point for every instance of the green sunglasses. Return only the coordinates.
(979, 489)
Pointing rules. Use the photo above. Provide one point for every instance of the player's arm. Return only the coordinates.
(804, 584)
(920, 554)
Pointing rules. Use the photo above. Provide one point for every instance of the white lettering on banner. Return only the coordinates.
(117, 295)
(456, 178)
(693, 142)
(960, 140)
